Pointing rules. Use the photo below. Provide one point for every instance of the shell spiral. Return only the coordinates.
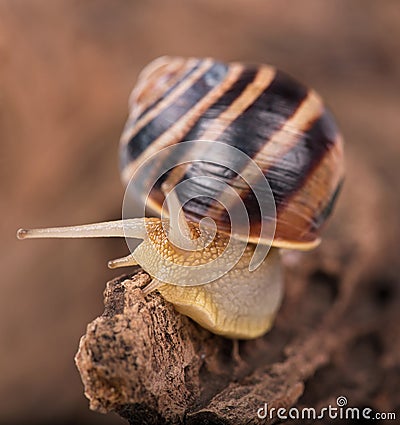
(278, 122)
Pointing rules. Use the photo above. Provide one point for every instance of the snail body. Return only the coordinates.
(229, 305)
(281, 126)
(239, 304)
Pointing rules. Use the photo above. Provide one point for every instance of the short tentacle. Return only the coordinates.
(127, 261)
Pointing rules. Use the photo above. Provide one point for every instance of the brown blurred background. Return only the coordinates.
(66, 71)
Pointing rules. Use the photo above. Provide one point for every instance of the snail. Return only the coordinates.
(281, 126)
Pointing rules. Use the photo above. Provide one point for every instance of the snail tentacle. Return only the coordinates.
(127, 261)
(131, 228)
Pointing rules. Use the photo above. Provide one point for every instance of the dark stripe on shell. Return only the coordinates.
(211, 114)
(318, 220)
(257, 124)
(168, 116)
(187, 74)
(223, 103)
(289, 173)
(278, 102)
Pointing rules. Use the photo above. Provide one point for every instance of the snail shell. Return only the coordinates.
(278, 122)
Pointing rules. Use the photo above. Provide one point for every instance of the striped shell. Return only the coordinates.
(278, 122)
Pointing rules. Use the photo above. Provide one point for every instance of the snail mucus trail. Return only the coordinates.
(275, 120)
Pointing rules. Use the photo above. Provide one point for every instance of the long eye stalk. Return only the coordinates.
(131, 228)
